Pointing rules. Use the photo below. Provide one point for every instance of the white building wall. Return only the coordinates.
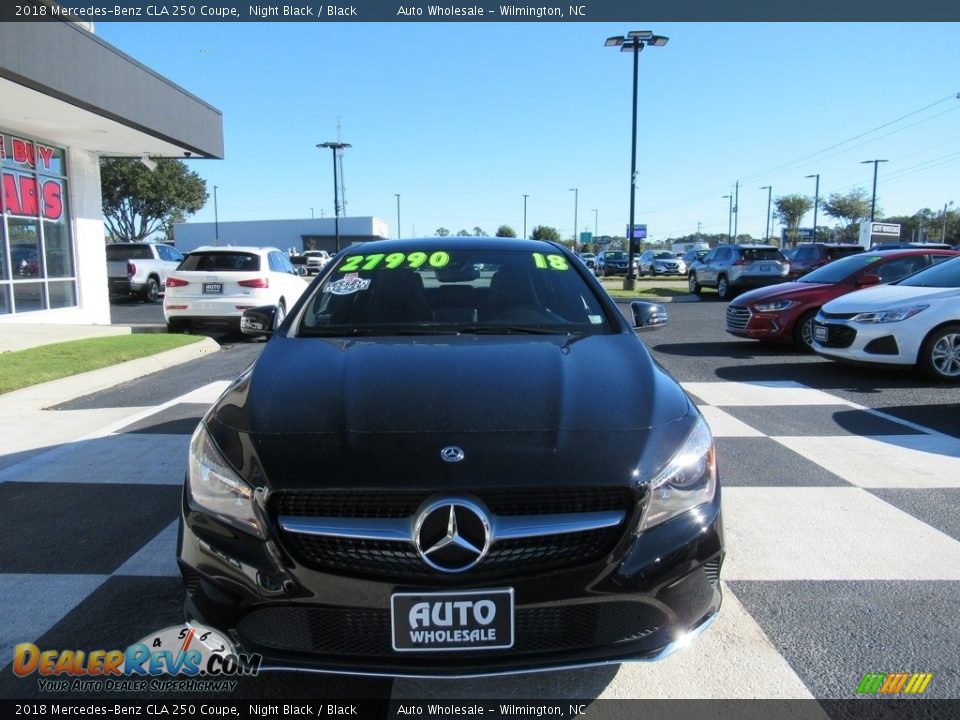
(282, 234)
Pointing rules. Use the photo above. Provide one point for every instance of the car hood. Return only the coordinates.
(780, 291)
(886, 296)
(545, 409)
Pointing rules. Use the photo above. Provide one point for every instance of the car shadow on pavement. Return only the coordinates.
(735, 350)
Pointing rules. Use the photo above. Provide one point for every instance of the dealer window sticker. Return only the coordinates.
(347, 285)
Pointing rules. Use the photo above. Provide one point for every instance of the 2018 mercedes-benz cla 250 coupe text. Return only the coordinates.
(416, 478)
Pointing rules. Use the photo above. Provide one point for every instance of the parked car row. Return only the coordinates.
(835, 312)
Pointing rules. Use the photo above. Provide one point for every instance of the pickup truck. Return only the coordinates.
(140, 269)
(316, 260)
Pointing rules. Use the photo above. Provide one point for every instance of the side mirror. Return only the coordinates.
(868, 279)
(647, 315)
(259, 321)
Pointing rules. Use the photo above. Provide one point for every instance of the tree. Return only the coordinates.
(479, 232)
(849, 208)
(462, 233)
(138, 202)
(790, 209)
(506, 231)
(442, 232)
(543, 232)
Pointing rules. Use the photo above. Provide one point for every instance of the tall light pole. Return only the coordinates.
(525, 215)
(634, 42)
(337, 147)
(596, 212)
(769, 189)
(816, 202)
(216, 219)
(736, 210)
(576, 205)
(729, 219)
(873, 201)
(943, 237)
(398, 215)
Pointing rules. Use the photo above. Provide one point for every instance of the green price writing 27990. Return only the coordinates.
(395, 260)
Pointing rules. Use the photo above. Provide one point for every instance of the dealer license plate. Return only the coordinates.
(473, 620)
(820, 333)
(213, 288)
(764, 268)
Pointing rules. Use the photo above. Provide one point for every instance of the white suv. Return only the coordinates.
(214, 285)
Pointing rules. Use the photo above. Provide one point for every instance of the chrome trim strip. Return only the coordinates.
(391, 529)
(510, 527)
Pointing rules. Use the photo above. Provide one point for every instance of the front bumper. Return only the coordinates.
(861, 343)
(774, 327)
(636, 602)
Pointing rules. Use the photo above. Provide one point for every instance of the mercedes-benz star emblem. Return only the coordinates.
(452, 453)
(452, 535)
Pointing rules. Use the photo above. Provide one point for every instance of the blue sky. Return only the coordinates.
(463, 119)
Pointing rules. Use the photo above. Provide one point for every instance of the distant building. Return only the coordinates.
(69, 98)
(305, 234)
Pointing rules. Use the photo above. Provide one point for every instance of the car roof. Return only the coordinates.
(454, 242)
(234, 248)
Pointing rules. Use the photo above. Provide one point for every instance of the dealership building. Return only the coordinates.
(69, 98)
(296, 235)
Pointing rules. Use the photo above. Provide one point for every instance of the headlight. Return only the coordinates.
(891, 315)
(776, 306)
(688, 480)
(216, 489)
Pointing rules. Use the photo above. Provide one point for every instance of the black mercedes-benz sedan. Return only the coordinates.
(417, 476)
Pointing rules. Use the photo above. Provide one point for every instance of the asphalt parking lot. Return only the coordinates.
(841, 491)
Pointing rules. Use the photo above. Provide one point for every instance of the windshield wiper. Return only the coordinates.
(380, 330)
(512, 330)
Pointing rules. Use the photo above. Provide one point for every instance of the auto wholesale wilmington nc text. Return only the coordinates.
(502, 11)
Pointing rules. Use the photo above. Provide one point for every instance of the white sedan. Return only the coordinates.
(214, 285)
(915, 322)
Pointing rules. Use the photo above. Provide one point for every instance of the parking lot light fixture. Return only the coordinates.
(633, 42)
(525, 215)
(576, 205)
(769, 189)
(816, 202)
(337, 148)
(729, 218)
(873, 200)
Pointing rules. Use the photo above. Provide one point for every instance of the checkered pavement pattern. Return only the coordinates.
(842, 532)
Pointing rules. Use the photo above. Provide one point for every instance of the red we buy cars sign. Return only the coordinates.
(23, 193)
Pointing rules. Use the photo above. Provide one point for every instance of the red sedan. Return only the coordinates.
(784, 313)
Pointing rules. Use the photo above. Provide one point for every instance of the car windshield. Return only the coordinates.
(430, 291)
(616, 256)
(841, 269)
(221, 262)
(944, 275)
(664, 256)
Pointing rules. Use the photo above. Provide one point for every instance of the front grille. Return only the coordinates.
(737, 317)
(367, 633)
(711, 569)
(837, 316)
(541, 554)
(838, 336)
(404, 503)
(393, 559)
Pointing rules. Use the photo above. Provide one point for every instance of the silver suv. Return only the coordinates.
(731, 268)
(661, 262)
